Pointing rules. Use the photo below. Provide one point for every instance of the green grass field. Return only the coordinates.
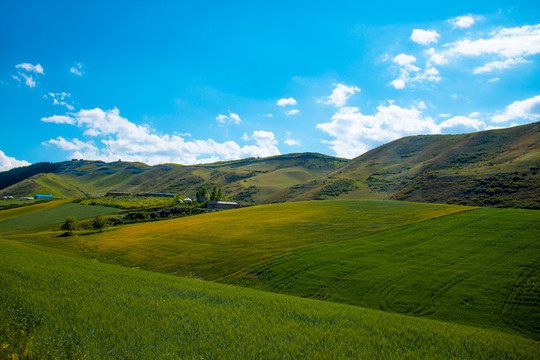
(479, 267)
(47, 213)
(58, 307)
(452, 281)
(214, 245)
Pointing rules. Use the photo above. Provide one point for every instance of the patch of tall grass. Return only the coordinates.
(52, 306)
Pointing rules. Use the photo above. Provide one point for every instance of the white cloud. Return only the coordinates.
(38, 69)
(292, 112)
(76, 144)
(77, 69)
(424, 37)
(29, 78)
(7, 163)
(420, 104)
(463, 121)
(528, 109)
(404, 59)
(354, 133)
(444, 116)
(232, 118)
(474, 114)
(499, 65)
(398, 83)
(510, 47)
(340, 95)
(292, 142)
(463, 22)
(59, 119)
(58, 99)
(118, 138)
(285, 102)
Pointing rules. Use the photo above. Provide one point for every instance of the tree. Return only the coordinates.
(214, 195)
(202, 195)
(69, 225)
(219, 195)
(99, 222)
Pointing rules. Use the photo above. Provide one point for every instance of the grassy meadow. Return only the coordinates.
(451, 281)
(60, 307)
(478, 267)
(215, 245)
(49, 213)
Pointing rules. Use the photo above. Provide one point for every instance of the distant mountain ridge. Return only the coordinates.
(489, 168)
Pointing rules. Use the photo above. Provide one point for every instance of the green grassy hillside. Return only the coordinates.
(498, 168)
(61, 307)
(250, 180)
(494, 168)
(479, 267)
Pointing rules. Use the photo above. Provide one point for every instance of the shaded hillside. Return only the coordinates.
(493, 168)
(252, 180)
(13, 176)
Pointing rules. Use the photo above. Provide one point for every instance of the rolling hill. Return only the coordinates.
(498, 168)
(66, 307)
(473, 266)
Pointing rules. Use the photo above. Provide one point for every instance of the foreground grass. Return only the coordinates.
(59, 307)
(214, 245)
(478, 268)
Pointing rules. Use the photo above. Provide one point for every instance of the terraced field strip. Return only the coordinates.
(60, 307)
(478, 267)
(29, 209)
(55, 212)
(211, 246)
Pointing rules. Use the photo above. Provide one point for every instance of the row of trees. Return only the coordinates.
(203, 195)
(98, 223)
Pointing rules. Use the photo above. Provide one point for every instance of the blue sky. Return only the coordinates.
(201, 81)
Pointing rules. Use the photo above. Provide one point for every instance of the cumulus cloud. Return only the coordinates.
(232, 118)
(340, 95)
(112, 137)
(528, 109)
(510, 47)
(285, 102)
(7, 163)
(424, 37)
(398, 84)
(292, 142)
(292, 112)
(77, 69)
(463, 121)
(463, 22)
(404, 59)
(354, 133)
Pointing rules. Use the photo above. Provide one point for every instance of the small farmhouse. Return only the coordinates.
(222, 205)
